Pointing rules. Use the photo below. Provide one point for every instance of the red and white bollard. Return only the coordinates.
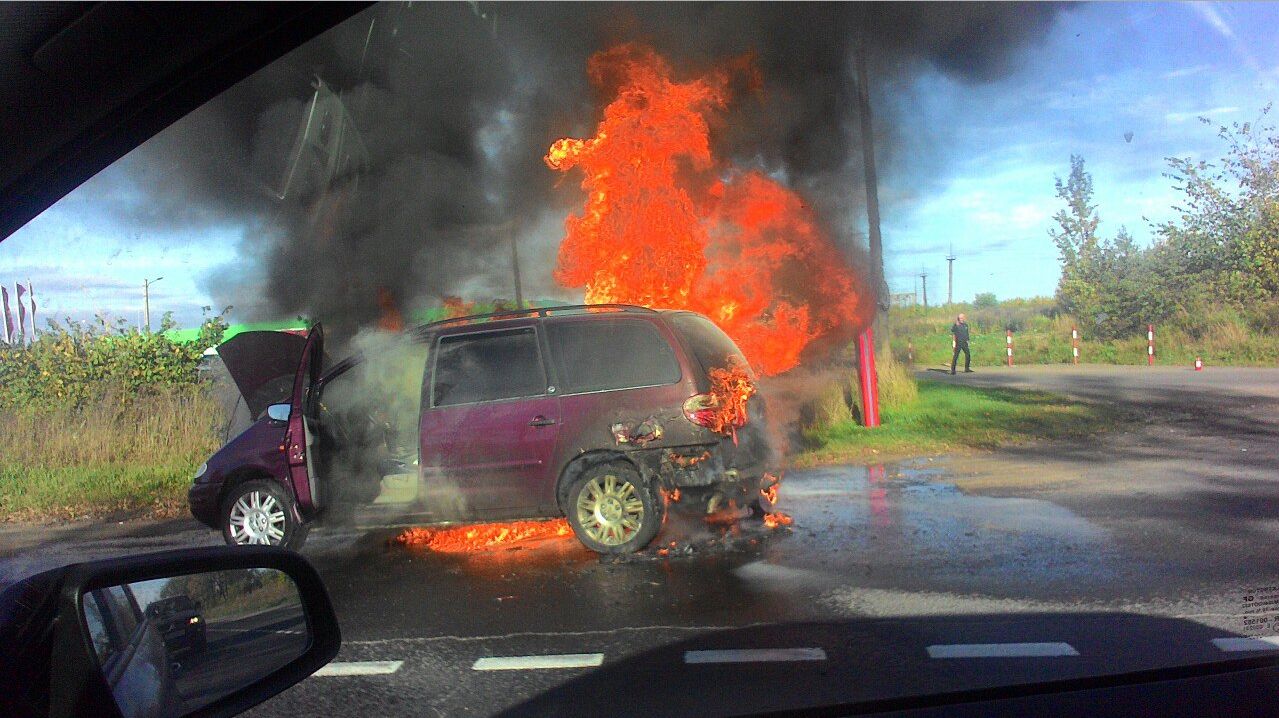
(1074, 343)
(1199, 364)
(1150, 345)
(867, 379)
(1009, 340)
(910, 352)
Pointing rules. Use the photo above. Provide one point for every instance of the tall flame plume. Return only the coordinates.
(666, 224)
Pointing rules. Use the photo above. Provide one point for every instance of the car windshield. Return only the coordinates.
(693, 359)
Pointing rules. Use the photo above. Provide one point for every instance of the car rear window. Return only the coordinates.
(487, 367)
(599, 355)
(709, 343)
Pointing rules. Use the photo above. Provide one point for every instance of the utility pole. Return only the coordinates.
(146, 300)
(515, 265)
(872, 179)
(950, 276)
(923, 278)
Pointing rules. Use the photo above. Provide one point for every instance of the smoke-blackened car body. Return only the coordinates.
(597, 413)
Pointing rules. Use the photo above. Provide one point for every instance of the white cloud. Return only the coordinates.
(1183, 116)
(1186, 71)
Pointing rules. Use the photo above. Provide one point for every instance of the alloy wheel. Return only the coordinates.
(257, 518)
(610, 510)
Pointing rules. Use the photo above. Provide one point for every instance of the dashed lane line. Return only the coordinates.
(360, 668)
(754, 655)
(1002, 650)
(1241, 643)
(528, 663)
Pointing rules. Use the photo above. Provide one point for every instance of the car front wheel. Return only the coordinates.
(612, 510)
(260, 513)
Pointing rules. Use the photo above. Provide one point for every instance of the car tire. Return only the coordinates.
(613, 510)
(261, 513)
(760, 505)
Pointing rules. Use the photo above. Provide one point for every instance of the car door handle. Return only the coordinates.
(540, 420)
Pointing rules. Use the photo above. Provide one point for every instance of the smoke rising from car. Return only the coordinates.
(427, 124)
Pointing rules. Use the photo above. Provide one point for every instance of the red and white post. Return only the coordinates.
(910, 352)
(1150, 345)
(1074, 343)
(866, 376)
(1009, 340)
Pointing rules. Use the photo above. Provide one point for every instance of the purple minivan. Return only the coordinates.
(595, 413)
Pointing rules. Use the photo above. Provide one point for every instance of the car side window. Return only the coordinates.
(488, 366)
(599, 355)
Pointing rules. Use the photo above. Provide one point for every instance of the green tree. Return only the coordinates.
(1225, 243)
(1077, 243)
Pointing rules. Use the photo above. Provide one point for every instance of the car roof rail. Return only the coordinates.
(536, 312)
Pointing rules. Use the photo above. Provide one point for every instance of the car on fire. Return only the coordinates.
(597, 413)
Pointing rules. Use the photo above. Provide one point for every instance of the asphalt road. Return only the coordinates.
(1152, 546)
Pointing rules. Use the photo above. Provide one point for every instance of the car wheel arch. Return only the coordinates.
(582, 462)
(245, 474)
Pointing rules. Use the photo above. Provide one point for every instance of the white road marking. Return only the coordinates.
(754, 655)
(1001, 650)
(528, 663)
(1239, 643)
(360, 668)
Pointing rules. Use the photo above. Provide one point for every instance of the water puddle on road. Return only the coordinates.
(904, 525)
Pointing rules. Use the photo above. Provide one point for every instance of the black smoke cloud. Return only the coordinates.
(455, 104)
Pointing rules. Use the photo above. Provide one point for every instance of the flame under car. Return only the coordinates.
(593, 413)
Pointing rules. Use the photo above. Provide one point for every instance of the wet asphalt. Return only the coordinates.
(1152, 547)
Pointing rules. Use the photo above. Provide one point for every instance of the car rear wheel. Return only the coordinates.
(260, 513)
(612, 510)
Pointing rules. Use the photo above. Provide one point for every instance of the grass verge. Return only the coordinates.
(946, 417)
(73, 492)
(118, 454)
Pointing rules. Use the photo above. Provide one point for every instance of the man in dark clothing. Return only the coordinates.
(960, 331)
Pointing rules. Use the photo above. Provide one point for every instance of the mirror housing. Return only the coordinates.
(279, 412)
(77, 686)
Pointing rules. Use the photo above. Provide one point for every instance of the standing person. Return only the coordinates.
(960, 331)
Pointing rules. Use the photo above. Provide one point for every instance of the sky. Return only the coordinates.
(972, 168)
(1107, 70)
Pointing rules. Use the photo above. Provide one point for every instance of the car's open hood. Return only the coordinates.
(263, 366)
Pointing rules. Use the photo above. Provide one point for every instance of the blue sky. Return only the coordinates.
(987, 155)
(1106, 70)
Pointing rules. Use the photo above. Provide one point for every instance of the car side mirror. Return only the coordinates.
(279, 412)
(196, 632)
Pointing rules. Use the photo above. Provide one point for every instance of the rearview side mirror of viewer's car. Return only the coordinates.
(196, 632)
(279, 412)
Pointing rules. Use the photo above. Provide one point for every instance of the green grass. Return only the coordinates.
(68, 492)
(946, 417)
(134, 454)
(1221, 337)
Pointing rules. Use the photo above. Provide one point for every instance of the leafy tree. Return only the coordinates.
(1076, 240)
(1225, 243)
(985, 300)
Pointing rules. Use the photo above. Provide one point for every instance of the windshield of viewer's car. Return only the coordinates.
(693, 359)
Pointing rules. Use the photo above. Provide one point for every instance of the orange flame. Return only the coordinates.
(723, 409)
(666, 224)
(479, 537)
(776, 519)
(770, 493)
(389, 317)
(454, 307)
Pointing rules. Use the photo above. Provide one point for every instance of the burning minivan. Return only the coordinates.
(597, 413)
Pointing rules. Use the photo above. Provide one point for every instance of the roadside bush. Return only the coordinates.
(830, 407)
(70, 364)
(897, 386)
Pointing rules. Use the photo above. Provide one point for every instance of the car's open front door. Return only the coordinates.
(298, 440)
